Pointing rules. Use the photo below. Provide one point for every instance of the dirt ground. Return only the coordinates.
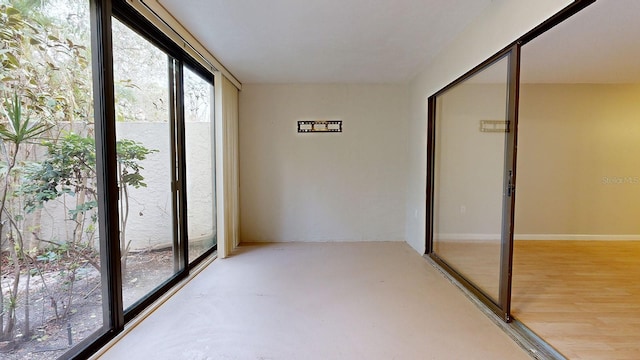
(52, 337)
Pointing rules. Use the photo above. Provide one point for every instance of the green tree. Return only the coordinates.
(130, 153)
(15, 131)
(44, 64)
(43, 73)
(69, 169)
(50, 154)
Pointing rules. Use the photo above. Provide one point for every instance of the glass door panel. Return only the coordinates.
(199, 149)
(145, 163)
(471, 124)
(50, 254)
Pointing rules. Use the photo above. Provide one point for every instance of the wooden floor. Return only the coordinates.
(583, 297)
(477, 261)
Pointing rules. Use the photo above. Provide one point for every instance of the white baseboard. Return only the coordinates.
(496, 237)
(576, 237)
(469, 237)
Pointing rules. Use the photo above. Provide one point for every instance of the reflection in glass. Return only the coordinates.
(468, 182)
(141, 76)
(199, 144)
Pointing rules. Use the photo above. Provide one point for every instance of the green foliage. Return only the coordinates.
(69, 168)
(49, 256)
(45, 81)
(44, 62)
(83, 208)
(45, 89)
(130, 153)
(19, 129)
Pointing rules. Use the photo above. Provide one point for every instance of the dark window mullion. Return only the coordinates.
(178, 166)
(508, 205)
(431, 150)
(106, 163)
(107, 182)
(182, 170)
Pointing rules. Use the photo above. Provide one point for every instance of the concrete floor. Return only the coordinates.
(318, 301)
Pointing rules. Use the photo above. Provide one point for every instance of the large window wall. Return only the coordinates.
(144, 131)
(107, 193)
(50, 253)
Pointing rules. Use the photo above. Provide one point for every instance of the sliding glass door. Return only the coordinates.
(199, 161)
(108, 175)
(472, 179)
(145, 159)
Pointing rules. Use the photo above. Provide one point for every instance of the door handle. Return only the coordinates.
(511, 188)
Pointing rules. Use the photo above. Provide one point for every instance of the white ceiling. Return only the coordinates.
(383, 41)
(325, 41)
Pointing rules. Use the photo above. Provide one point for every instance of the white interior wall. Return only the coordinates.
(348, 186)
(503, 22)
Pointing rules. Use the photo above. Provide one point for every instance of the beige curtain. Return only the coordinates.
(227, 176)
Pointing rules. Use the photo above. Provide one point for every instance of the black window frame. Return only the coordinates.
(115, 317)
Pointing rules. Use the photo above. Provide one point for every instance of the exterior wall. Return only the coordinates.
(347, 186)
(150, 222)
(150, 217)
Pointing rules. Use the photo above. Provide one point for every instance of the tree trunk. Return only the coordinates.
(35, 222)
(1, 290)
(124, 214)
(79, 230)
(27, 315)
(3, 202)
(13, 296)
